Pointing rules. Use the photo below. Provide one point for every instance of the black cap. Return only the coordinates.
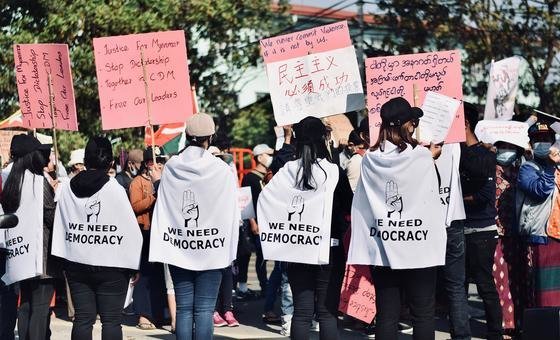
(148, 155)
(24, 144)
(310, 130)
(398, 111)
(98, 153)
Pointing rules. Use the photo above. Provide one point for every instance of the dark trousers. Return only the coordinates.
(8, 305)
(316, 290)
(453, 280)
(224, 301)
(419, 286)
(149, 294)
(103, 293)
(260, 265)
(34, 309)
(479, 261)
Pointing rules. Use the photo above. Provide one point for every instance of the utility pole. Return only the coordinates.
(360, 48)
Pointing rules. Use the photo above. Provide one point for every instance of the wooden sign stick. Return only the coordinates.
(195, 100)
(51, 102)
(415, 103)
(147, 90)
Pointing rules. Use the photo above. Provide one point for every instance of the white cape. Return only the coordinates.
(25, 241)
(397, 217)
(196, 218)
(451, 194)
(294, 224)
(100, 230)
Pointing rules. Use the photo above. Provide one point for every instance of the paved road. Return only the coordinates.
(249, 315)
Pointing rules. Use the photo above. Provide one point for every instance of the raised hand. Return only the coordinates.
(190, 208)
(296, 207)
(393, 199)
(93, 207)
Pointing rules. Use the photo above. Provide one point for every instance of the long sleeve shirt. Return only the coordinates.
(535, 183)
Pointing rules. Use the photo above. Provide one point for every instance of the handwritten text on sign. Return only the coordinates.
(33, 63)
(121, 80)
(312, 73)
(357, 296)
(302, 43)
(394, 76)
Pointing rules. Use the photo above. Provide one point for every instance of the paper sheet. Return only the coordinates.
(439, 111)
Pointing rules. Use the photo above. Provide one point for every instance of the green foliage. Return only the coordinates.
(486, 30)
(254, 125)
(222, 38)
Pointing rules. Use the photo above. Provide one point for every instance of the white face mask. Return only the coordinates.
(267, 161)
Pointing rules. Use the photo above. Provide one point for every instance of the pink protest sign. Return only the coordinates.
(120, 79)
(302, 43)
(34, 63)
(357, 296)
(394, 76)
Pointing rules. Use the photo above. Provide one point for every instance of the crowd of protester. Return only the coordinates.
(498, 209)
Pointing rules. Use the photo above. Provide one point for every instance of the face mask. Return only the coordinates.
(541, 149)
(133, 171)
(267, 161)
(506, 157)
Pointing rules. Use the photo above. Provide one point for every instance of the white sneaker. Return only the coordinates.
(314, 326)
(286, 325)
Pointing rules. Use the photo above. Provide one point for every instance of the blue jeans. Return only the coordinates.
(454, 282)
(272, 287)
(195, 293)
(286, 302)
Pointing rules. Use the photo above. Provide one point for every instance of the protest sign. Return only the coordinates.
(5, 142)
(502, 89)
(394, 76)
(439, 111)
(120, 76)
(35, 64)
(245, 200)
(357, 296)
(312, 73)
(492, 131)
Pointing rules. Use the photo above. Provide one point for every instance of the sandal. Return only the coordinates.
(146, 326)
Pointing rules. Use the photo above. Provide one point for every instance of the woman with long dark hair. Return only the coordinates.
(316, 195)
(398, 222)
(21, 191)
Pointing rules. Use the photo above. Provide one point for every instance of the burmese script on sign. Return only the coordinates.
(33, 64)
(120, 78)
(439, 111)
(396, 76)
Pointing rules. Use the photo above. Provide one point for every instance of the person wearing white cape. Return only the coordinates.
(29, 195)
(311, 197)
(96, 236)
(195, 227)
(398, 224)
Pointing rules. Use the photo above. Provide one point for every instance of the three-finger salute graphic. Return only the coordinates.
(393, 199)
(296, 207)
(93, 207)
(190, 209)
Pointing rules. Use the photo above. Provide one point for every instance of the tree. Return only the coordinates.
(486, 30)
(222, 38)
(254, 124)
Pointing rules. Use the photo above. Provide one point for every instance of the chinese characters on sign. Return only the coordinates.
(120, 79)
(33, 64)
(312, 73)
(393, 76)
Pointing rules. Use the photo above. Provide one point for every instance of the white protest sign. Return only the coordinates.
(492, 131)
(502, 89)
(312, 73)
(246, 203)
(439, 112)
(25, 242)
(100, 230)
